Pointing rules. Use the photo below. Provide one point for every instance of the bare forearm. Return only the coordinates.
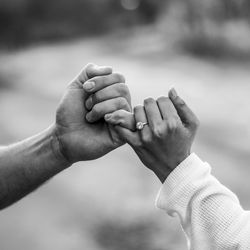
(26, 165)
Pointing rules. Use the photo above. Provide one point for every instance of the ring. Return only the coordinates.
(140, 125)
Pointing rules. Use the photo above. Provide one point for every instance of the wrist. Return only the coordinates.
(163, 171)
(57, 147)
(162, 175)
(172, 164)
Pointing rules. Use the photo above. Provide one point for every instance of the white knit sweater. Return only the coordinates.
(210, 214)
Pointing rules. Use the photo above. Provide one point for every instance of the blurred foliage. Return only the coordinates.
(203, 27)
(23, 21)
(216, 28)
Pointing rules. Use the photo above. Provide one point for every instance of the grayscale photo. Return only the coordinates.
(125, 124)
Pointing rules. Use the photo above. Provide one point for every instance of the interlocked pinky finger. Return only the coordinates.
(123, 118)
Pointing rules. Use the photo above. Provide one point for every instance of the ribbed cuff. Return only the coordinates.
(179, 180)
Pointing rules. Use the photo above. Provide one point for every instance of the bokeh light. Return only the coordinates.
(130, 4)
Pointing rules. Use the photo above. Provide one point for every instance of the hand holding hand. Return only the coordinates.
(167, 138)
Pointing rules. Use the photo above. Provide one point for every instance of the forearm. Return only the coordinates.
(26, 165)
(210, 214)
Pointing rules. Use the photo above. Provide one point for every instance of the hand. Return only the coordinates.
(106, 92)
(167, 139)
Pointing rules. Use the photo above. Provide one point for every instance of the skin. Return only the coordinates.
(87, 139)
(78, 134)
(167, 139)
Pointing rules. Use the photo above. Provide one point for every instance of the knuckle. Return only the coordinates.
(94, 79)
(162, 99)
(119, 77)
(122, 102)
(123, 89)
(105, 80)
(148, 100)
(117, 115)
(89, 65)
(138, 144)
(180, 102)
(146, 138)
(158, 131)
(88, 69)
(172, 125)
(97, 80)
(118, 118)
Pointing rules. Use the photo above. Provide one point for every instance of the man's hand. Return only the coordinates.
(81, 132)
(167, 138)
(24, 166)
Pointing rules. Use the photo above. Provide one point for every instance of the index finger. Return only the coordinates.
(187, 116)
(91, 70)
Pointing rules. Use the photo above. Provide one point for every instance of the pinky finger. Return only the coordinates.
(122, 118)
(132, 138)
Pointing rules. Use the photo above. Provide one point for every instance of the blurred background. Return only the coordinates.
(202, 47)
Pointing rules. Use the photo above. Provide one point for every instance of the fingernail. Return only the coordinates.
(88, 85)
(89, 103)
(107, 117)
(173, 93)
(88, 117)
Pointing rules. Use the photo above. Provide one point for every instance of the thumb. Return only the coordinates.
(185, 113)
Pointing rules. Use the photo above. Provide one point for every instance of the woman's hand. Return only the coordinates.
(166, 139)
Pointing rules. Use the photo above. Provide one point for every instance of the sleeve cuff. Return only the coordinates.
(176, 189)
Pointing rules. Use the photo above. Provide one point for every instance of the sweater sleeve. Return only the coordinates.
(210, 214)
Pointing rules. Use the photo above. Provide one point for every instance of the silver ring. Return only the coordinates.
(140, 125)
